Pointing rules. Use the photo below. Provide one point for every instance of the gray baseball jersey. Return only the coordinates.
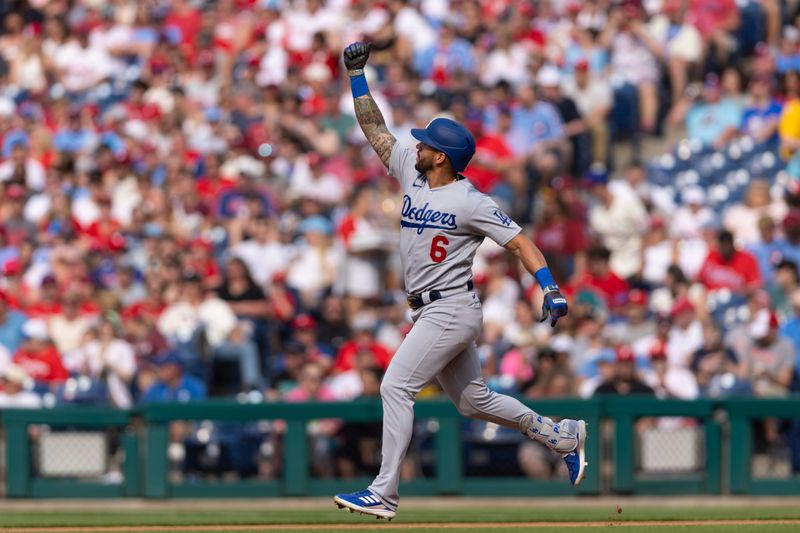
(441, 228)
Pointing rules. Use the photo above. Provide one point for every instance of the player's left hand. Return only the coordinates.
(554, 305)
(356, 55)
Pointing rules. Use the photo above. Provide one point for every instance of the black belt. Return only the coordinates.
(415, 301)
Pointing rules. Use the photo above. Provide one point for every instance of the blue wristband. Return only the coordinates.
(358, 85)
(544, 277)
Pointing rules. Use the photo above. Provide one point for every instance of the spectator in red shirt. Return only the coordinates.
(16, 227)
(213, 183)
(493, 156)
(13, 284)
(598, 276)
(149, 308)
(37, 356)
(716, 20)
(136, 107)
(201, 261)
(364, 337)
(304, 332)
(183, 23)
(49, 303)
(562, 237)
(729, 268)
(104, 234)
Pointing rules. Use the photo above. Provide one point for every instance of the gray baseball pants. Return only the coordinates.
(441, 345)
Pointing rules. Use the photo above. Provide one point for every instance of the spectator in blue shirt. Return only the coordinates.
(770, 250)
(762, 112)
(711, 120)
(535, 121)
(788, 56)
(172, 384)
(10, 325)
(246, 199)
(537, 133)
(450, 54)
(74, 138)
(791, 328)
(12, 139)
(787, 280)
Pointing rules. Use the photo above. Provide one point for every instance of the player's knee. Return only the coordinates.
(474, 401)
(468, 410)
(390, 389)
(386, 389)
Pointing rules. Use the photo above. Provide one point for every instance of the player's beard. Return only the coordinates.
(423, 166)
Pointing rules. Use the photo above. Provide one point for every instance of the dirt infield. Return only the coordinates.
(455, 502)
(440, 525)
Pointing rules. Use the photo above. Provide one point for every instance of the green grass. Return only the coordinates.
(329, 515)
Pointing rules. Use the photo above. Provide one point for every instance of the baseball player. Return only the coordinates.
(443, 221)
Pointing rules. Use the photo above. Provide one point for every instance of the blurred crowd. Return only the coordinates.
(189, 208)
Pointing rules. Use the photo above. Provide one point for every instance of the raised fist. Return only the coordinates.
(356, 55)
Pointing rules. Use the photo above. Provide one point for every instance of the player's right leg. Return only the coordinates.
(438, 334)
(463, 382)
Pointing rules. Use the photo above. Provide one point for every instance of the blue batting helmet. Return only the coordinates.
(450, 137)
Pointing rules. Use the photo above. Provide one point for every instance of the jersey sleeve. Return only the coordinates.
(489, 220)
(401, 164)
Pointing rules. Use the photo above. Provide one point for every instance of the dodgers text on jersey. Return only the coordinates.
(424, 217)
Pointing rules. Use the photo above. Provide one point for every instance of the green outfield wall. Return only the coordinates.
(711, 449)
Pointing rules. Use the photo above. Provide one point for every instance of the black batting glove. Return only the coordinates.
(356, 55)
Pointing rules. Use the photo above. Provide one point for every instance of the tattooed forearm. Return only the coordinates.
(367, 112)
(374, 127)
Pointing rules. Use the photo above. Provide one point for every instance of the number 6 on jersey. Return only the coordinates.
(438, 253)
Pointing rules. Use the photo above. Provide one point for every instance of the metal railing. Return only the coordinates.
(21, 481)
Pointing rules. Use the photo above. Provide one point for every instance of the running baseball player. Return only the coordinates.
(443, 221)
